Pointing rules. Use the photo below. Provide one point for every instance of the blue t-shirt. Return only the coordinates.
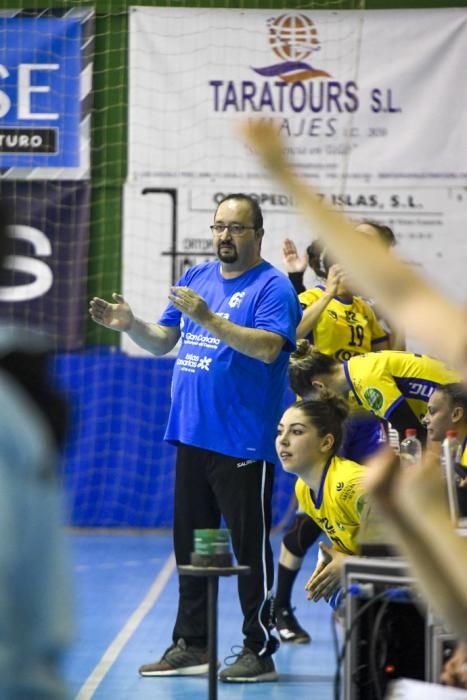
(363, 437)
(223, 400)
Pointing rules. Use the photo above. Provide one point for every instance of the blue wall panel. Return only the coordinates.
(118, 471)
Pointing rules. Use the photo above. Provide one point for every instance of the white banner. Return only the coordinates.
(369, 102)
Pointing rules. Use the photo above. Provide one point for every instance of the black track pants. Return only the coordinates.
(209, 484)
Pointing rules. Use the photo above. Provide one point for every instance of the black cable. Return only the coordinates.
(335, 639)
(374, 670)
(340, 657)
(361, 685)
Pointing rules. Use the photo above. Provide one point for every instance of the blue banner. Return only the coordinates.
(41, 68)
(43, 277)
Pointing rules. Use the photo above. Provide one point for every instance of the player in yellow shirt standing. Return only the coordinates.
(325, 333)
(338, 323)
(329, 488)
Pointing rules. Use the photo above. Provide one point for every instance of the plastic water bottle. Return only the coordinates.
(393, 439)
(411, 448)
(451, 449)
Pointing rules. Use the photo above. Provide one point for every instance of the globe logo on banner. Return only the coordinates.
(292, 38)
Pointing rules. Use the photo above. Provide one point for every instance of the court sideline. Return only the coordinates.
(125, 590)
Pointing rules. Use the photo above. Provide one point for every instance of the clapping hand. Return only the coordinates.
(118, 316)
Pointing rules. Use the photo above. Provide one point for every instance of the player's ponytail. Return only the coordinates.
(306, 363)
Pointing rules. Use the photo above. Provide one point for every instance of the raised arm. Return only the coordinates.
(405, 297)
(119, 317)
(294, 264)
(313, 312)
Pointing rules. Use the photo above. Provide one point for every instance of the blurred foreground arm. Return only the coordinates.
(455, 669)
(413, 502)
(404, 296)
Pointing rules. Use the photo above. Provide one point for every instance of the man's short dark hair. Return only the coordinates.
(256, 213)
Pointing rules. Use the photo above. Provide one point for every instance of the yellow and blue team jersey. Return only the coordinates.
(338, 505)
(463, 455)
(380, 381)
(345, 328)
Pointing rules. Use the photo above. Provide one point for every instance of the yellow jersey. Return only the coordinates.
(345, 328)
(380, 381)
(338, 505)
(463, 454)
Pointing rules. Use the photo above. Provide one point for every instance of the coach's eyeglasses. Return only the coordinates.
(233, 229)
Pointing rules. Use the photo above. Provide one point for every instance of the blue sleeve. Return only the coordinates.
(279, 311)
(170, 316)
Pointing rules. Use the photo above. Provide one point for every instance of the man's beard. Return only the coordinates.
(229, 254)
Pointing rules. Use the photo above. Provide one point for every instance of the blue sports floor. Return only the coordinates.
(125, 590)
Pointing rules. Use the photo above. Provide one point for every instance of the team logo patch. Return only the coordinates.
(374, 397)
(236, 299)
(360, 504)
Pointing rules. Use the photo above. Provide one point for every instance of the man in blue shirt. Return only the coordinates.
(236, 319)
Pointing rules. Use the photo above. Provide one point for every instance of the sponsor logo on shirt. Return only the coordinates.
(191, 362)
(245, 463)
(374, 397)
(204, 341)
(236, 299)
(331, 533)
(326, 525)
(424, 391)
(339, 486)
(204, 363)
(348, 493)
(343, 354)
